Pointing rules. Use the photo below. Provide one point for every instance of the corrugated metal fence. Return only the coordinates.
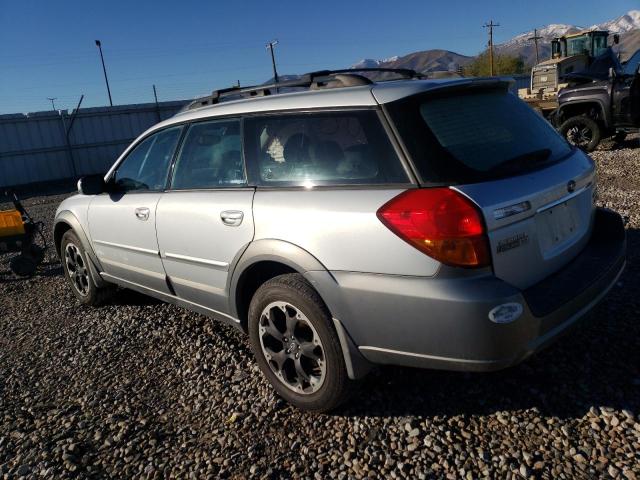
(34, 147)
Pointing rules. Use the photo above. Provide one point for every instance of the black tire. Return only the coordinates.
(23, 266)
(88, 293)
(292, 289)
(37, 253)
(582, 131)
(620, 137)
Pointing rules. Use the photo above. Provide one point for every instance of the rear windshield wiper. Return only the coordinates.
(522, 162)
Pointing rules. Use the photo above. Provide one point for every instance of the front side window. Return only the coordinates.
(475, 136)
(210, 157)
(578, 46)
(147, 165)
(323, 148)
(599, 45)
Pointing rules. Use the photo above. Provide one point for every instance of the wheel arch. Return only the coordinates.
(65, 221)
(265, 259)
(581, 107)
(261, 261)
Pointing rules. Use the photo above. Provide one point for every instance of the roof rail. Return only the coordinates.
(317, 80)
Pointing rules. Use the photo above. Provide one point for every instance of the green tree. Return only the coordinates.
(502, 65)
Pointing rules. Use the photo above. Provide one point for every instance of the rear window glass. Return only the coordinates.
(475, 136)
(323, 148)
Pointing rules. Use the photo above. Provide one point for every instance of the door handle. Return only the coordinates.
(232, 218)
(142, 213)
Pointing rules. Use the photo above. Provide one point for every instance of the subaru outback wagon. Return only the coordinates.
(343, 222)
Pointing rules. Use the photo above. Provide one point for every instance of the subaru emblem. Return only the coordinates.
(571, 186)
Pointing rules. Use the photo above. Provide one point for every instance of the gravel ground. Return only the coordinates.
(137, 388)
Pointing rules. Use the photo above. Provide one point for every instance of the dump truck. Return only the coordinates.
(569, 53)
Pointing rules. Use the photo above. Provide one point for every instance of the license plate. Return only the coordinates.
(556, 226)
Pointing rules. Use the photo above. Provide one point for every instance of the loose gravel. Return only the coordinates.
(137, 388)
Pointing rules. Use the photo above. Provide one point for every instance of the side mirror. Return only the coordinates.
(616, 39)
(92, 185)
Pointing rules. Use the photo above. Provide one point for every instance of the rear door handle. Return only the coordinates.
(232, 218)
(142, 213)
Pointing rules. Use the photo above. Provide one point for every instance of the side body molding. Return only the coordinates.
(69, 218)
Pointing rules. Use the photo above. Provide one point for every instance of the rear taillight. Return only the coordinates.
(442, 223)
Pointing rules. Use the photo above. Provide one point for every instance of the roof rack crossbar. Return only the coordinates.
(304, 81)
(405, 72)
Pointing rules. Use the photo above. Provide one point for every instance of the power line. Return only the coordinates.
(535, 39)
(490, 26)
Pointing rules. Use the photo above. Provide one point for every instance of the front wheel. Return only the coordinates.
(76, 269)
(582, 131)
(296, 346)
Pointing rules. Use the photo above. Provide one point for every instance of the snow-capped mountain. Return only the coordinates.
(371, 63)
(426, 61)
(625, 23)
(547, 33)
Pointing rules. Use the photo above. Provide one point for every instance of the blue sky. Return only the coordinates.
(188, 48)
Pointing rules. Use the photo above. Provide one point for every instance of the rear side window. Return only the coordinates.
(323, 148)
(475, 136)
(210, 157)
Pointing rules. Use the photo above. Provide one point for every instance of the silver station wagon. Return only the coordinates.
(343, 222)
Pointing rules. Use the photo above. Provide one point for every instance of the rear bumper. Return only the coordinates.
(443, 322)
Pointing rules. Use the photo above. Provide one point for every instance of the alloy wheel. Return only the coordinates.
(580, 135)
(292, 347)
(77, 269)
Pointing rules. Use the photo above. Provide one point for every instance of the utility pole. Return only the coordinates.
(270, 46)
(99, 45)
(74, 114)
(53, 105)
(490, 26)
(535, 39)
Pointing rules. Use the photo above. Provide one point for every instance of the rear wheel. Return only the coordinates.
(296, 346)
(582, 131)
(76, 268)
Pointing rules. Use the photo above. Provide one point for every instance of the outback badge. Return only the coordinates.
(512, 242)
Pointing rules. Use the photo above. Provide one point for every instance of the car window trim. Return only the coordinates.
(412, 179)
(345, 186)
(404, 158)
(398, 145)
(187, 122)
(189, 125)
(114, 168)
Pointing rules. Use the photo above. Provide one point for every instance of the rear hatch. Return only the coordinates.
(535, 192)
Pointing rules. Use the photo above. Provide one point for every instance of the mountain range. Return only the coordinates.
(627, 26)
